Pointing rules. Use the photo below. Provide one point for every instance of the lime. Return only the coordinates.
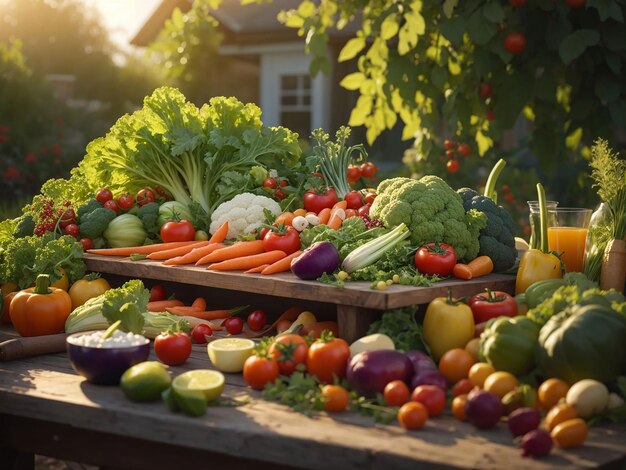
(190, 402)
(170, 400)
(209, 383)
(145, 381)
(229, 354)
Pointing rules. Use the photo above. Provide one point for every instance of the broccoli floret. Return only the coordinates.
(25, 226)
(432, 210)
(88, 208)
(93, 224)
(497, 239)
(149, 215)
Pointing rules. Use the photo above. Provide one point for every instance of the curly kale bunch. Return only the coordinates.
(431, 210)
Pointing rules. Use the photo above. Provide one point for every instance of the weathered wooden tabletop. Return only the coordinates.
(45, 407)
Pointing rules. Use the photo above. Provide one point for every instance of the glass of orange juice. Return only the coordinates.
(567, 231)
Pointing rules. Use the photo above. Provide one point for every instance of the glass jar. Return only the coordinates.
(535, 220)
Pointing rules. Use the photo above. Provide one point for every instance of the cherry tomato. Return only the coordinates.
(103, 195)
(336, 398)
(485, 90)
(396, 393)
(287, 240)
(161, 192)
(575, 3)
(450, 154)
(112, 204)
(368, 169)
(289, 350)
(172, 349)
(412, 415)
(449, 144)
(259, 371)
(369, 198)
(279, 194)
(464, 149)
(157, 292)
(432, 397)
(515, 43)
(509, 197)
(453, 166)
(365, 210)
(257, 320)
(518, 3)
(87, 243)
(126, 201)
(68, 217)
(435, 259)
(144, 196)
(234, 325)
(354, 173)
(328, 358)
(354, 199)
(491, 304)
(200, 332)
(270, 183)
(263, 232)
(283, 183)
(177, 231)
(489, 115)
(316, 201)
(71, 230)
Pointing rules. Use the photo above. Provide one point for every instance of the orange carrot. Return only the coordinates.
(299, 212)
(285, 218)
(141, 250)
(324, 215)
(208, 314)
(220, 234)
(199, 303)
(258, 269)
(174, 252)
(335, 222)
(162, 305)
(183, 309)
(194, 255)
(480, 266)
(235, 250)
(351, 213)
(281, 265)
(341, 205)
(246, 262)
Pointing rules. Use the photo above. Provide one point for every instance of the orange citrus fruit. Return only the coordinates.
(500, 383)
(455, 364)
(479, 372)
(550, 392)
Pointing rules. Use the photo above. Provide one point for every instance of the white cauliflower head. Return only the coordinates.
(244, 214)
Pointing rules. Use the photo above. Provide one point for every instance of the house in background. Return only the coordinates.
(263, 61)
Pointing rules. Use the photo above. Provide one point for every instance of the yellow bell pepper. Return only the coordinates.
(538, 264)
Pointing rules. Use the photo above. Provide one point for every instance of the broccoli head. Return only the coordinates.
(432, 210)
(93, 224)
(149, 215)
(497, 239)
(25, 226)
(87, 208)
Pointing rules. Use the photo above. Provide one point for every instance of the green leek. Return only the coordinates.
(372, 251)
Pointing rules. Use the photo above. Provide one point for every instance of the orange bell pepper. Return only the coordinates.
(40, 310)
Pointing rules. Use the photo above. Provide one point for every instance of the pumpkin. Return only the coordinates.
(583, 342)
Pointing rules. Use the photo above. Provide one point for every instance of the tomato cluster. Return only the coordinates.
(365, 170)
(454, 149)
(275, 186)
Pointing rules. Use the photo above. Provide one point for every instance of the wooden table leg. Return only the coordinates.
(355, 321)
(15, 460)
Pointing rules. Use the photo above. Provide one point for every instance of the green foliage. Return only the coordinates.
(402, 327)
(93, 224)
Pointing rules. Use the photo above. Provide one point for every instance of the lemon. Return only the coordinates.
(208, 383)
(229, 354)
(145, 381)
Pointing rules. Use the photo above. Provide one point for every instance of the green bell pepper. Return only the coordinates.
(508, 344)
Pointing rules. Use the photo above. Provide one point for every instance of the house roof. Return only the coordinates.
(240, 24)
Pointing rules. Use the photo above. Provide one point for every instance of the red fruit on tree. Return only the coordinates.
(576, 3)
(453, 166)
(515, 43)
(485, 90)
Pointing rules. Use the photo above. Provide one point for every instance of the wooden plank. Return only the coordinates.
(354, 321)
(287, 285)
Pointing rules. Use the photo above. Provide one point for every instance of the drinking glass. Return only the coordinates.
(533, 206)
(567, 232)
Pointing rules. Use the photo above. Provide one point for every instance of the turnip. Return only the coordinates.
(524, 420)
(483, 409)
(536, 443)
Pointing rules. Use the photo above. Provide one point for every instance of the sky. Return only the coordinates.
(123, 18)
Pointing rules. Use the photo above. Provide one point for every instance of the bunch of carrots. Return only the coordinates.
(247, 256)
(195, 313)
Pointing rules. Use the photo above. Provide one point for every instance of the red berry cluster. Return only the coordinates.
(453, 150)
(370, 223)
(48, 217)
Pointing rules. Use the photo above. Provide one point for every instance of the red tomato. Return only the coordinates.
(257, 320)
(260, 371)
(161, 192)
(396, 393)
(432, 397)
(157, 292)
(575, 3)
(492, 304)
(144, 196)
(435, 259)
(412, 415)
(453, 166)
(177, 231)
(87, 243)
(234, 325)
(279, 194)
(369, 198)
(126, 201)
(450, 154)
(200, 332)
(71, 230)
(354, 173)
(328, 358)
(68, 217)
(263, 232)
(365, 210)
(103, 195)
(283, 183)
(289, 350)
(287, 240)
(336, 398)
(315, 201)
(515, 43)
(464, 149)
(270, 183)
(489, 115)
(172, 349)
(368, 169)
(485, 90)
(354, 199)
(449, 144)
(111, 204)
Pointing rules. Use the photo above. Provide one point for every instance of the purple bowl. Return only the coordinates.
(104, 366)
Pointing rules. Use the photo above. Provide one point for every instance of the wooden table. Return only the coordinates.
(46, 408)
(355, 306)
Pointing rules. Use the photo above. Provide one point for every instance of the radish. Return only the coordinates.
(536, 443)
